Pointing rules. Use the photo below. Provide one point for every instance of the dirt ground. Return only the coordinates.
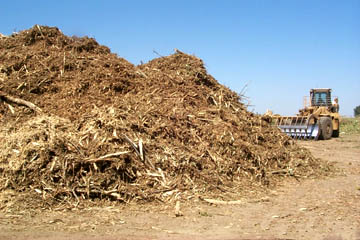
(326, 208)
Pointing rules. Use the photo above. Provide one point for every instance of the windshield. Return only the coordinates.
(321, 99)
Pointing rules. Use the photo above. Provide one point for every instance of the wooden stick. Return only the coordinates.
(141, 73)
(220, 202)
(20, 101)
(178, 212)
(135, 147)
(38, 27)
(139, 150)
(11, 109)
(282, 171)
(105, 157)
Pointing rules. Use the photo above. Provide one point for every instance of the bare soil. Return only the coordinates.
(325, 208)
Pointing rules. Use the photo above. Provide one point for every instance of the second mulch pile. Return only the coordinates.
(106, 129)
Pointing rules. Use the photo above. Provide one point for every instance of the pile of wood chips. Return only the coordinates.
(79, 124)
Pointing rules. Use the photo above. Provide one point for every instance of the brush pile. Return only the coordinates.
(106, 129)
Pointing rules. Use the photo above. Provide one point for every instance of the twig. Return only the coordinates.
(139, 150)
(38, 27)
(141, 73)
(11, 109)
(105, 157)
(64, 61)
(244, 89)
(178, 51)
(282, 171)
(178, 212)
(220, 202)
(19, 101)
(157, 53)
(135, 147)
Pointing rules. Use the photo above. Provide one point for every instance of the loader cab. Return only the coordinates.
(320, 97)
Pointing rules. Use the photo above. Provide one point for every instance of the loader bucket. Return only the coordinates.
(299, 127)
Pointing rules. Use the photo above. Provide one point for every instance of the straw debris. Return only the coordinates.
(111, 131)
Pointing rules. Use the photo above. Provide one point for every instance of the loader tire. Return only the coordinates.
(335, 133)
(326, 128)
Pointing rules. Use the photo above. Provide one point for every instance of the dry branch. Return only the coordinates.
(220, 202)
(139, 150)
(107, 156)
(20, 101)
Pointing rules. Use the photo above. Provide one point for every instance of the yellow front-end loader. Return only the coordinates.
(319, 119)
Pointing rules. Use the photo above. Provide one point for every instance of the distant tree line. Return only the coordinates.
(357, 111)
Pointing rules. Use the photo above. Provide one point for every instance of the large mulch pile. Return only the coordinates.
(79, 124)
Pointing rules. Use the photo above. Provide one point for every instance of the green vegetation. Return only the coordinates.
(350, 125)
(357, 111)
(204, 214)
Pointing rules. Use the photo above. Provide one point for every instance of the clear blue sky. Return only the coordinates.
(279, 49)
